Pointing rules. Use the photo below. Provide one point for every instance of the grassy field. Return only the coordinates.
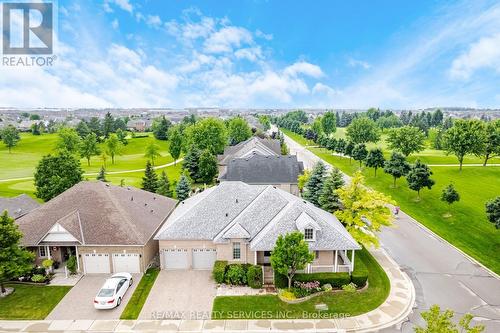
(428, 155)
(339, 303)
(25, 156)
(140, 295)
(31, 302)
(467, 228)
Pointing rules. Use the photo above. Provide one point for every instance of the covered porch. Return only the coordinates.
(59, 253)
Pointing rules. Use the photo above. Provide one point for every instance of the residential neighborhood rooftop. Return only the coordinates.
(18, 206)
(254, 145)
(98, 213)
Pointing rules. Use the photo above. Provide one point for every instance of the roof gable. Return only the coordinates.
(236, 231)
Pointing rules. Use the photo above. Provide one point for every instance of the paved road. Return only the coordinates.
(440, 273)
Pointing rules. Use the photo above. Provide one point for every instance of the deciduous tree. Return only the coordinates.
(207, 167)
(10, 137)
(160, 128)
(329, 123)
(464, 137)
(441, 322)
(175, 142)
(113, 147)
(396, 166)
(493, 211)
(419, 176)
(362, 130)
(359, 153)
(375, 159)
(208, 133)
(68, 140)
(364, 211)
(491, 146)
(450, 195)
(14, 260)
(407, 139)
(152, 152)
(89, 147)
(238, 130)
(55, 174)
(290, 254)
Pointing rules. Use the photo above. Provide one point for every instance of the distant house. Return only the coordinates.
(139, 125)
(252, 146)
(109, 228)
(240, 223)
(18, 206)
(280, 171)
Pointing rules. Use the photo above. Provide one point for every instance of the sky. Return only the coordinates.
(266, 54)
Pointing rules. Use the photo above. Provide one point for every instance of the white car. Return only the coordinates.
(113, 290)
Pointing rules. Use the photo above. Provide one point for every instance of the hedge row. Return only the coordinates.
(360, 274)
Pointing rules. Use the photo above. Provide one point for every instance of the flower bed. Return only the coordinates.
(237, 274)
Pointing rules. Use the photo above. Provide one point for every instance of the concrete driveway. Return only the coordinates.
(78, 302)
(183, 294)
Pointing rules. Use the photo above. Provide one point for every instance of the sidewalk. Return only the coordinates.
(394, 310)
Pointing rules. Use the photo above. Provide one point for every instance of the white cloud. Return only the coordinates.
(154, 21)
(484, 53)
(249, 53)
(358, 63)
(226, 38)
(265, 36)
(115, 24)
(305, 68)
(124, 4)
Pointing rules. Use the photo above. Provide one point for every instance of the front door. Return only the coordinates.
(267, 257)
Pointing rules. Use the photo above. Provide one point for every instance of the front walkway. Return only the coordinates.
(391, 312)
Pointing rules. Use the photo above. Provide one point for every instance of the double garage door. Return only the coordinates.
(202, 259)
(121, 262)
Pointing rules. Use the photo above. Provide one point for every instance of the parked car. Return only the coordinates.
(113, 291)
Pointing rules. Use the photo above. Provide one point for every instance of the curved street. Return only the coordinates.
(440, 273)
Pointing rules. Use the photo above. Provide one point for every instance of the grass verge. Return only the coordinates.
(31, 302)
(339, 303)
(134, 306)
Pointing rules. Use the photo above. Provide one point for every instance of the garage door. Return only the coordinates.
(126, 262)
(176, 258)
(204, 258)
(96, 263)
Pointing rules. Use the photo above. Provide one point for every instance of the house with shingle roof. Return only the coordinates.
(240, 223)
(281, 171)
(108, 228)
(18, 206)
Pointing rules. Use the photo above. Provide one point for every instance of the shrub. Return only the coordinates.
(38, 278)
(350, 288)
(280, 280)
(360, 274)
(219, 271)
(286, 294)
(302, 289)
(37, 270)
(336, 280)
(71, 264)
(47, 263)
(236, 274)
(254, 276)
(327, 287)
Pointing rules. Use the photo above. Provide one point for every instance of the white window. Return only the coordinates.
(41, 251)
(236, 251)
(309, 234)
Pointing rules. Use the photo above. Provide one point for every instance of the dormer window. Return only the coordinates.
(309, 234)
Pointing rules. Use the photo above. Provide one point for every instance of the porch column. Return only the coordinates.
(336, 258)
(352, 261)
(77, 259)
(255, 258)
(47, 250)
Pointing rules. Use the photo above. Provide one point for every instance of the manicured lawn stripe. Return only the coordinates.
(31, 302)
(136, 302)
(339, 303)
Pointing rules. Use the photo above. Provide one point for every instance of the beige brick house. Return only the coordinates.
(109, 228)
(240, 223)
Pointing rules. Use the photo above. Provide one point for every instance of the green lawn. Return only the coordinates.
(428, 155)
(339, 303)
(30, 149)
(140, 295)
(31, 302)
(468, 227)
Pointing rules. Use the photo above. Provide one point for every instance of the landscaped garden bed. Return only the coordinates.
(338, 303)
(237, 274)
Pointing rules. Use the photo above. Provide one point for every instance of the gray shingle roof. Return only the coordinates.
(18, 206)
(263, 211)
(265, 147)
(258, 169)
(98, 213)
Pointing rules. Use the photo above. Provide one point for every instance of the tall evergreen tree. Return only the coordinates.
(375, 159)
(164, 185)
(396, 166)
(191, 161)
(314, 184)
(183, 188)
(419, 177)
(150, 179)
(329, 199)
(160, 128)
(108, 124)
(102, 175)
